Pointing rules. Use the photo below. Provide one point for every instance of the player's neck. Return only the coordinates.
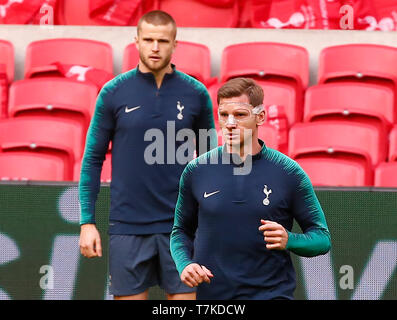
(158, 74)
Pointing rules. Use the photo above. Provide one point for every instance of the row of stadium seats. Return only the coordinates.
(288, 65)
(361, 103)
(350, 102)
(351, 98)
(282, 70)
(260, 59)
(296, 14)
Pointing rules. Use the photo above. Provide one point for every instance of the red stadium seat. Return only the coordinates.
(337, 137)
(64, 138)
(386, 175)
(106, 174)
(184, 54)
(280, 95)
(56, 97)
(3, 100)
(202, 13)
(268, 62)
(393, 144)
(270, 135)
(350, 101)
(6, 73)
(7, 58)
(31, 166)
(213, 92)
(42, 54)
(130, 57)
(370, 63)
(264, 60)
(326, 171)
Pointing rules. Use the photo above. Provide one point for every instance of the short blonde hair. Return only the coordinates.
(157, 18)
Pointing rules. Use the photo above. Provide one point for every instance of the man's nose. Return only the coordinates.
(231, 126)
(231, 122)
(155, 46)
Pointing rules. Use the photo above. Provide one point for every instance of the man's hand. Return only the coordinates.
(275, 235)
(90, 241)
(194, 274)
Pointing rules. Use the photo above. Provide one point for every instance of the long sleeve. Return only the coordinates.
(204, 127)
(185, 222)
(315, 239)
(98, 136)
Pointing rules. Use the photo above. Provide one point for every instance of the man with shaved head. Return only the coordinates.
(152, 96)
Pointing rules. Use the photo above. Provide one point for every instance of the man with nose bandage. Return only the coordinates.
(232, 234)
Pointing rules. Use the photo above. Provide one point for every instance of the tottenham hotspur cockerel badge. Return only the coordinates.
(267, 192)
(180, 108)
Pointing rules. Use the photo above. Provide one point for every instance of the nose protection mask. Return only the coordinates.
(231, 120)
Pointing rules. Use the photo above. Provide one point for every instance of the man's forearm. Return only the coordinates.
(309, 244)
(181, 247)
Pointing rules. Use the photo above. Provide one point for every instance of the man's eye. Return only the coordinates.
(241, 115)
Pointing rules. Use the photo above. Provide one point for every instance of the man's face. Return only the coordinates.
(155, 45)
(237, 121)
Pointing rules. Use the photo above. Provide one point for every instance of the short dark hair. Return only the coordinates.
(236, 87)
(157, 18)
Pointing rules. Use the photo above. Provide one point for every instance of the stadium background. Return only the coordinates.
(39, 221)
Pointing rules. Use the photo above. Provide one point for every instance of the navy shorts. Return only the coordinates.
(138, 262)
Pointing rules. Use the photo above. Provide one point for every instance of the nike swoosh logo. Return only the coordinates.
(127, 110)
(206, 195)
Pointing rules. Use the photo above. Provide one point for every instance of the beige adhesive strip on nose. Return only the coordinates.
(231, 120)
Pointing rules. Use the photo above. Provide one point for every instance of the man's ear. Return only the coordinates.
(261, 118)
(136, 42)
(175, 45)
